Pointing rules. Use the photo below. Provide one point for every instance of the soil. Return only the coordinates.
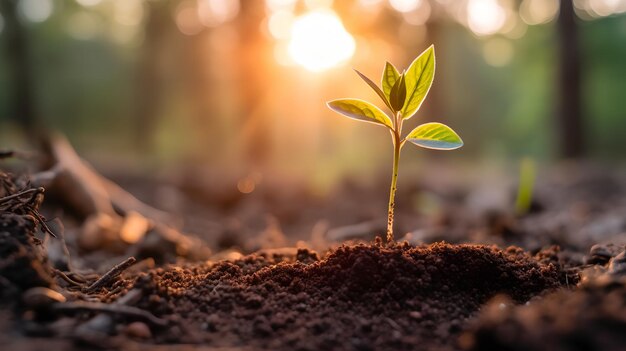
(559, 287)
(364, 297)
(23, 264)
(592, 318)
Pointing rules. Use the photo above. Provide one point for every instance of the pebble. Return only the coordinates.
(601, 254)
(617, 265)
(138, 330)
(41, 297)
(415, 315)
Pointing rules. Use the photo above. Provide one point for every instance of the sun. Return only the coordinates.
(319, 41)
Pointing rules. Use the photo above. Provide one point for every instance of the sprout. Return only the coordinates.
(527, 175)
(403, 93)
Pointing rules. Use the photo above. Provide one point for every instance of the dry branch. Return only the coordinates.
(85, 190)
(111, 274)
(34, 191)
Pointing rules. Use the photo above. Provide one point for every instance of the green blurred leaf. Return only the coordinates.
(419, 78)
(435, 136)
(390, 76)
(374, 87)
(360, 110)
(527, 175)
(398, 94)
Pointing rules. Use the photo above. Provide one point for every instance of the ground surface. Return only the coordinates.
(358, 297)
(549, 280)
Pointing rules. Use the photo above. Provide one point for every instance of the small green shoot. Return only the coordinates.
(527, 175)
(403, 94)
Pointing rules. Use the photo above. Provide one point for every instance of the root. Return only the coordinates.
(86, 191)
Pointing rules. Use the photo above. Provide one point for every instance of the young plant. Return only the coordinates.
(403, 94)
(527, 175)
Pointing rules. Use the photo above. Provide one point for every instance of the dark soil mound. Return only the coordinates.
(22, 263)
(591, 318)
(357, 298)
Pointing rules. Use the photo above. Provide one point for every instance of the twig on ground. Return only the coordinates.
(83, 276)
(39, 190)
(114, 292)
(87, 191)
(111, 274)
(129, 311)
(101, 322)
(42, 223)
(69, 280)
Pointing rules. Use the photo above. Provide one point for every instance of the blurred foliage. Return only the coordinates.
(89, 88)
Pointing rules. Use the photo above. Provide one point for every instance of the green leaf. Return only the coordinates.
(374, 87)
(435, 136)
(360, 110)
(390, 76)
(398, 94)
(419, 78)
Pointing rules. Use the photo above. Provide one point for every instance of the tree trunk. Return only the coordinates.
(252, 83)
(149, 83)
(569, 113)
(22, 97)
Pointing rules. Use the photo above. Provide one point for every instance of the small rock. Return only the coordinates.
(415, 315)
(617, 265)
(134, 227)
(138, 330)
(601, 254)
(41, 297)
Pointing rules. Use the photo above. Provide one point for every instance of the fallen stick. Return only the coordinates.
(111, 274)
(85, 189)
(36, 191)
(69, 280)
(42, 223)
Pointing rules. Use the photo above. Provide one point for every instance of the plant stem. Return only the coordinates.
(397, 145)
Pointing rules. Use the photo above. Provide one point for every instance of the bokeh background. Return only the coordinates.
(240, 86)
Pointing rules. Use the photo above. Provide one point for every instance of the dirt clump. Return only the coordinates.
(590, 318)
(22, 261)
(364, 297)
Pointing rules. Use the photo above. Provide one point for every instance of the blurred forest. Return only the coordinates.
(242, 83)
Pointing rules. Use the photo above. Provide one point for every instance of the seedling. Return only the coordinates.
(527, 175)
(403, 93)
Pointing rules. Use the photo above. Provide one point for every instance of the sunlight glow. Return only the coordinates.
(405, 5)
(35, 10)
(128, 12)
(212, 13)
(277, 5)
(319, 41)
(187, 19)
(280, 24)
(318, 4)
(419, 16)
(88, 3)
(498, 52)
(83, 25)
(607, 7)
(538, 11)
(485, 17)
(366, 3)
